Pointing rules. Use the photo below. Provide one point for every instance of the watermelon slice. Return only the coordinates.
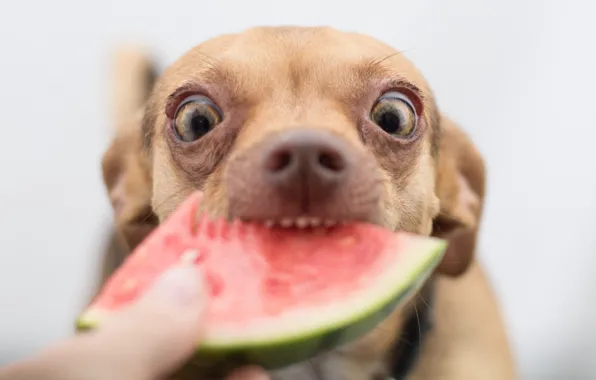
(277, 295)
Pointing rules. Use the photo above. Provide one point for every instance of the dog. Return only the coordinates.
(314, 125)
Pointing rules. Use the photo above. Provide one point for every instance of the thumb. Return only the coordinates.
(154, 336)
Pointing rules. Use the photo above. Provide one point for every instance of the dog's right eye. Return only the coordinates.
(195, 117)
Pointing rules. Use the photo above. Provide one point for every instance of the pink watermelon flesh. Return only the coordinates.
(269, 284)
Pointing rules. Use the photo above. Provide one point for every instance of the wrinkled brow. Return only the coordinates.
(216, 72)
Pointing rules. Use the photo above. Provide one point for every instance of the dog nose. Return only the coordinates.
(312, 154)
(306, 159)
(303, 172)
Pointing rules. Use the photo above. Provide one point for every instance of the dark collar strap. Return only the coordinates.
(417, 326)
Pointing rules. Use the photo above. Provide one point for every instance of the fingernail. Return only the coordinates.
(249, 373)
(181, 286)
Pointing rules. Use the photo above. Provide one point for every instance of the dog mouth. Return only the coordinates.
(328, 216)
(308, 223)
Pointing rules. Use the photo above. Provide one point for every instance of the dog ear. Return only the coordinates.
(126, 175)
(460, 186)
(126, 166)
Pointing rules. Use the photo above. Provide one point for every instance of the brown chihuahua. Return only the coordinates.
(310, 126)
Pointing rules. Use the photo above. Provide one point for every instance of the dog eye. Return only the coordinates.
(195, 117)
(395, 114)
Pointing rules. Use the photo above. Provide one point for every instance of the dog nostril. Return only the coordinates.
(279, 161)
(331, 161)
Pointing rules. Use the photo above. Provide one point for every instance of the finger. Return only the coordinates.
(144, 342)
(249, 373)
(154, 336)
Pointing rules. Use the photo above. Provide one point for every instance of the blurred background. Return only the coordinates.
(518, 75)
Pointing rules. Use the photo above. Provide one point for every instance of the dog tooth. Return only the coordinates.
(302, 222)
(269, 223)
(329, 223)
(286, 222)
(315, 222)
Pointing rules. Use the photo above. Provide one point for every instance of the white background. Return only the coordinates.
(519, 75)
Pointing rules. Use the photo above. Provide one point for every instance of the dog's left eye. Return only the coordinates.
(395, 114)
(195, 117)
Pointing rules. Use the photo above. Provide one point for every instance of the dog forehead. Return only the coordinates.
(295, 56)
(287, 43)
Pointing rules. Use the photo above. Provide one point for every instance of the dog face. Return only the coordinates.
(301, 126)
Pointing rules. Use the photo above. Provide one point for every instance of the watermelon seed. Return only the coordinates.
(129, 285)
(276, 284)
(142, 253)
(171, 240)
(215, 284)
(347, 241)
(190, 256)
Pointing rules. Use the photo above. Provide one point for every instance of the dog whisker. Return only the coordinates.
(426, 303)
(378, 62)
(418, 323)
(157, 208)
(315, 370)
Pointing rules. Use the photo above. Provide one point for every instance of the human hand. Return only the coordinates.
(147, 341)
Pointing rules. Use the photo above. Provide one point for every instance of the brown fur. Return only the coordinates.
(271, 79)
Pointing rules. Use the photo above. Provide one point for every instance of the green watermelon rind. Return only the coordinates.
(288, 349)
